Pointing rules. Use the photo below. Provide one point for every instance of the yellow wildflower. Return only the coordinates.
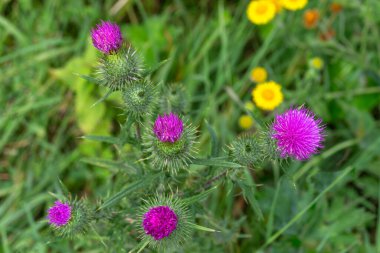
(261, 12)
(245, 121)
(294, 5)
(277, 4)
(259, 75)
(267, 96)
(317, 63)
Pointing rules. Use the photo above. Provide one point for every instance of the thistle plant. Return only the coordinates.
(162, 152)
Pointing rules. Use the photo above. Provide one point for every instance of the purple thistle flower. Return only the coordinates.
(168, 128)
(160, 222)
(107, 37)
(59, 214)
(298, 133)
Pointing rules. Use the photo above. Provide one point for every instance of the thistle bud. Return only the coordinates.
(69, 219)
(119, 70)
(140, 98)
(247, 151)
(170, 143)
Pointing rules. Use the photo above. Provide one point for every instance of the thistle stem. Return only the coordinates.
(216, 178)
(138, 131)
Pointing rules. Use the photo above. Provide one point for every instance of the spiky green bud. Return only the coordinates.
(117, 71)
(140, 98)
(247, 151)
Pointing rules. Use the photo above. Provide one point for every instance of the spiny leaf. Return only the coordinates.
(106, 139)
(196, 198)
(132, 187)
(201, 228)
(214, 140)
(111, 165)
(217, 161)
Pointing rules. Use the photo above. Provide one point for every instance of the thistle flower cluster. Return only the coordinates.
(168, 144)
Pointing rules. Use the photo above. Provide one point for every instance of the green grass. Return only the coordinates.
(327, 204)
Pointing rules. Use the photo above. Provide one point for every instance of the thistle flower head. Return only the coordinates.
(298, 133)
(59, 214)
(164, 222)
(170, 143)
(160, 222)
(107, 37)
(70, 219)
(168, 127)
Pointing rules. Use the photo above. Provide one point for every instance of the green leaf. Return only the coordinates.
(249, 195)
(111, 165)
(248, 187)
(88, 78)
(129, 189)
(217, 161)
(214, 140)
(102, 98)
(201, 228)
(106, 139)
(139, 247)
(312, 203)
(196, 198)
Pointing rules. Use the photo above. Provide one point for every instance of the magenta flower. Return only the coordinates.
(59, 214)
(168, 128)
(107, 37)
(160, 222)
(298, 133)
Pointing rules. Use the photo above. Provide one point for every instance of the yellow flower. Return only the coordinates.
(277, 4)
(294, 5)
(317, 63)
(245, 122)
(267, 96)
(261, 12)
(259, 75)
(249, 106)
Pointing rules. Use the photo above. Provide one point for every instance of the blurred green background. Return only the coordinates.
(327, 204)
